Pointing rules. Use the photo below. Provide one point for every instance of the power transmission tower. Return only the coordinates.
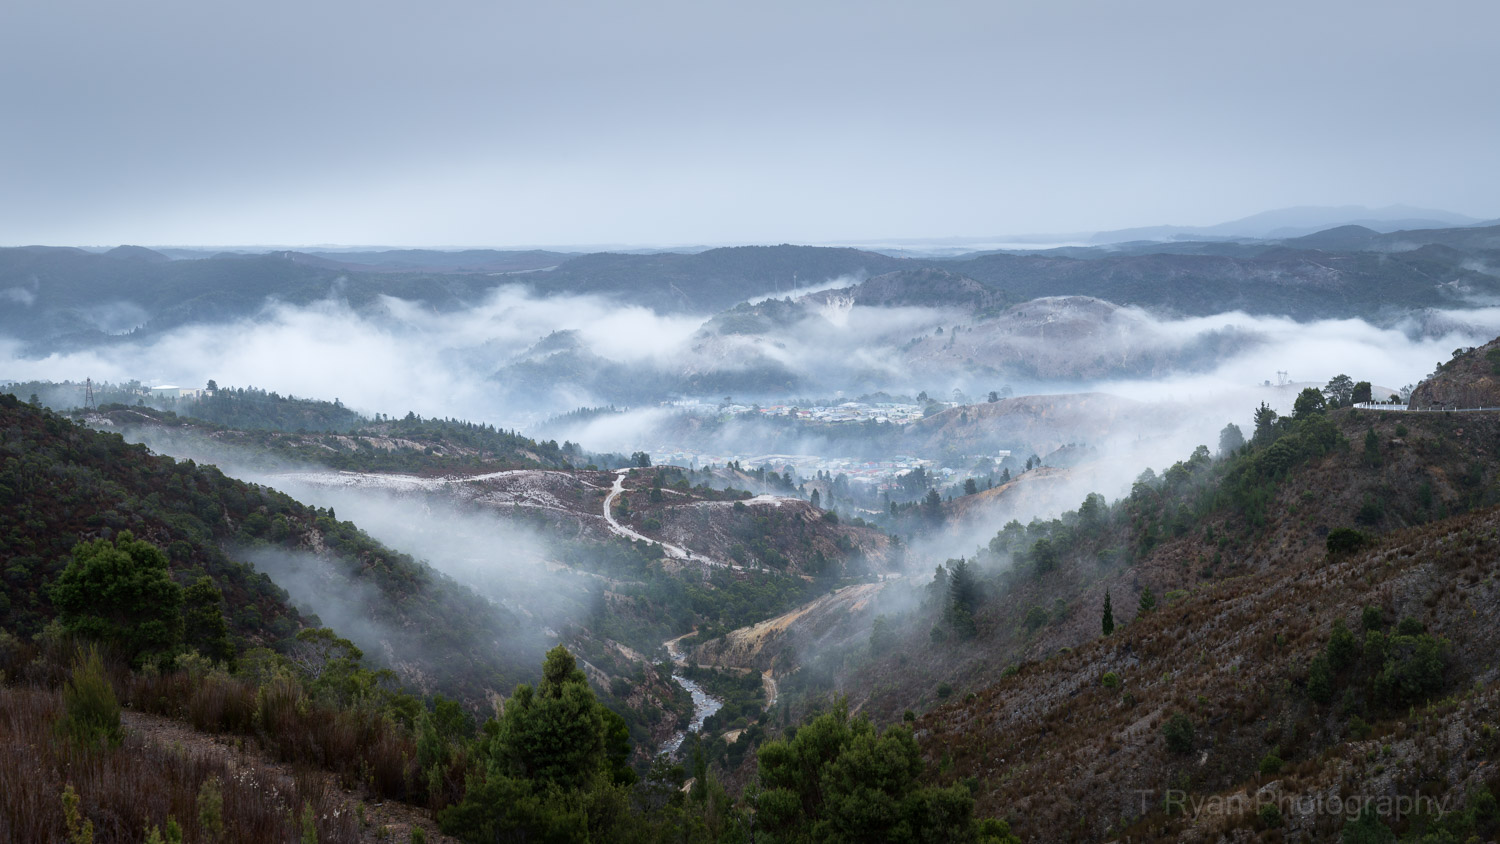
(1280, 378)
(89, 406)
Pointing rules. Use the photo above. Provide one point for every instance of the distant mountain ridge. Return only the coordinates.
(66, 298)
(1297, 221)
(1301, 283)
(433, 260)
(710, 281)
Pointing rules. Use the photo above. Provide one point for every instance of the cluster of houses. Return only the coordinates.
(878, 474)
(849, 411)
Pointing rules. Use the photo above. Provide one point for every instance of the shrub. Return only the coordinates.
(1271, 763)
(211, 810)
(1359, 728)
(1320, 680)
(1343, 647)
(1348, 540)
(80, 831)
(1147, 602)
(1410, 627)
(219, 704)
(944, 690)
(309, 824)
(1178, 732)
(1110, 680)
(1413, 670)
(839, 779)
(91, 713)
(122, 593)
(1036, 618)
(1367, 829)
(963, 623)
(279, 705)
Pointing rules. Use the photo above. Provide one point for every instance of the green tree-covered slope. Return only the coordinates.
(61, 483)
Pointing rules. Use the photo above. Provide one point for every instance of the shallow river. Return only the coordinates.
(704, 704)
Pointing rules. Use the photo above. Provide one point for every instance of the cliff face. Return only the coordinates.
(1471, 379)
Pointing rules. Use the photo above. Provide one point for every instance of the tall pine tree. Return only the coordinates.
(1148, 601)
(963, 598)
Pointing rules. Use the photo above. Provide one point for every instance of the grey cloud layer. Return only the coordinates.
(678, 122)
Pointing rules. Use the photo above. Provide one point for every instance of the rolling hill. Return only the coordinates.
(61, 298)
(62, 483)
(1311, 616)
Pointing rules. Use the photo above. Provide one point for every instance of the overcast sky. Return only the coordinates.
(476, 122)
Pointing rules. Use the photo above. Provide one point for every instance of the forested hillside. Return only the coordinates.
(1314, 600)
(408, 444)
(76, 298)
(613, 600)
(326, 432)
(128, 619)
(61, 483)
(1308, 284)
(710, 281)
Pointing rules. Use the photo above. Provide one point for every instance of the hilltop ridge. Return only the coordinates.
(1471, 378)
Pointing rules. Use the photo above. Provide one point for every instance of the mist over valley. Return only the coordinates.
(718, 424)
(729, 513)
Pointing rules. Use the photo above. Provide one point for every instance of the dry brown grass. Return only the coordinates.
(360, 744)
(141, 784)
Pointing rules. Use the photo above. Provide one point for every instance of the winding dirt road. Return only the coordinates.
(674, 551)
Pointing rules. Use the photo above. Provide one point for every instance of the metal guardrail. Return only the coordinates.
(1401, 408)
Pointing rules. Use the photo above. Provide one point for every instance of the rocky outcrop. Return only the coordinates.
(1470, 379)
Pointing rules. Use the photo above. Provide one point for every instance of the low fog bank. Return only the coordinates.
(1222, 389)
(497, 557)
(1133, 389)
(507, 562)
(317, 586)
(1108, 464)
(515, 359)
(395, 357)
(840, 283)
